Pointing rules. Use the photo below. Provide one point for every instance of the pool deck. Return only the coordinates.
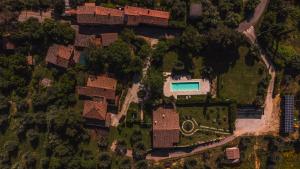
(204, 87)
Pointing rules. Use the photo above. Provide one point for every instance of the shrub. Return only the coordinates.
(11, 147)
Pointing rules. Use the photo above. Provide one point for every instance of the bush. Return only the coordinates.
(104, 160)
(33, 138)
(11, 147)
(121, 148)
(139, 151)
(125, 164)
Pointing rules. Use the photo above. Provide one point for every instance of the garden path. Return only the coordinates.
(131, 96)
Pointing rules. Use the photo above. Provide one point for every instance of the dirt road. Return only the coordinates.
(259, 10)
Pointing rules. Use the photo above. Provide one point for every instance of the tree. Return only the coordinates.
(59, 7)
(58, 32)
(143, 164)
(28, 160)
(103, 143)
(154, 83)
(136, 137)
(139, 151)
(11, 147)
(125, 164)
(233, 20)
(178, 10)
(191, 40)
(33, 138)
(4, 105)
(119, 59)
(121, 147)
(250, 7)
(190, 163)
(104, 161)
(96, 59)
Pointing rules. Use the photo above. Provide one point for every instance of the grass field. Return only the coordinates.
(240, 82)
(216, 116)
(169, 61)
(125, 133)
(198, 65)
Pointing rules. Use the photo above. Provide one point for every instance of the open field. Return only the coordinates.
(240, 82)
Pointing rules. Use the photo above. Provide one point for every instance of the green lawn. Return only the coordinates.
(289, 160)
(169, 61)
(240, 82)
(125, 133)
(216, 116)
(197, 67)
(198, 136)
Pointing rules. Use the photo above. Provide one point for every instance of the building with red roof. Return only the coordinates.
(233, 154)
(165, 128)
(90, 14)
(136, 15)
(95, 113)
(60, 55)
(100, 88)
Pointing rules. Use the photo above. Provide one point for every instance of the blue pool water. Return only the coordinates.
(185, 86)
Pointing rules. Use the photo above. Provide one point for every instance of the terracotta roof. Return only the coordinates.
(95, 110)
(102, 82)
(60, 55)
(131, 10)
(165, 128)
(108, 38)
(82, 40)
(96, 92)
(233, 153)
(76, 57)
(39, 15)
(99, 15)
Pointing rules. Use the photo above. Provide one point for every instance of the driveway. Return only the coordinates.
(270, 120)
(259, 10)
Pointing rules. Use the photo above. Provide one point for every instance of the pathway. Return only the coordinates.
(131, 96)
(182, 153)
(269, 122)
(259, 10)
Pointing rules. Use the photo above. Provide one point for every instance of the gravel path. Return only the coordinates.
(270, 120)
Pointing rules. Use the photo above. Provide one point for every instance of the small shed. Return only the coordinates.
(45, 82)
(233, 153)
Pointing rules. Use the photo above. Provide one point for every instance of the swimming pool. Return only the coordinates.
(185, 86)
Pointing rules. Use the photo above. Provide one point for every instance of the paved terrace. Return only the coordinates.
(204, 87)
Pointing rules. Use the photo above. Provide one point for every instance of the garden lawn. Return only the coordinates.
(214, 116)
(289, 160)
(241, 81)
(197, 67)
(125, 133)
(169, 61)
